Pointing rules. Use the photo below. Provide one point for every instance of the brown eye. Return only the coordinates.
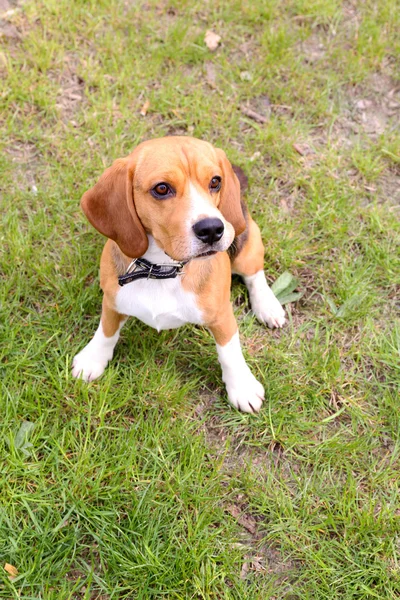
(215, 184)
(161, 190)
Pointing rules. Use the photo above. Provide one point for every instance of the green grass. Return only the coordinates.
(146, 483)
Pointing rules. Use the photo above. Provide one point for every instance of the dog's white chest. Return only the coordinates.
(162, 304)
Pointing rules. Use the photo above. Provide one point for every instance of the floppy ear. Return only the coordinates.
(230, 205)
(110, 208)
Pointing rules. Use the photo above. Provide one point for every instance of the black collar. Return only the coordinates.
(141, 268)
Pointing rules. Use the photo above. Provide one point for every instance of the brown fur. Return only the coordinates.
(110, 208)
(250, 258)
(120, 207)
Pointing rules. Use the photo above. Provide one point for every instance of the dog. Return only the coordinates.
(177, 229)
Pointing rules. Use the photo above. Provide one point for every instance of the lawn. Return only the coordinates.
(146, 483)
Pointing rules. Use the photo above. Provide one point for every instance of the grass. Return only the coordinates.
(146, 483)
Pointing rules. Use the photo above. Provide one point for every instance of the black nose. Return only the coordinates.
(209, 230)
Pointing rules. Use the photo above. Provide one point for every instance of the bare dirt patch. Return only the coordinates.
(236, 454)
(22, 152)
(10, 30)
(258, 108)
(24, 157)
(388, 186)
(261, 558)
(287, 196)
(370, 108)
(71, 92)
(377, 104)
(313, 48)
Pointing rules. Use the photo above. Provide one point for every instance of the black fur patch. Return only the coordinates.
(241, 239)
(243, 180)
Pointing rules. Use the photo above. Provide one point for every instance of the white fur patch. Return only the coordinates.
(264, 304)
(161, 304)
(90, 363)
(201, 208)
(244, 391)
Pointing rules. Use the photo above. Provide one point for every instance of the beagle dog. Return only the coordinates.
(177, 229)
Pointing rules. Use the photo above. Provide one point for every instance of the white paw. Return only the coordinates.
(264, 303)
(244, 392)
(90, 363)
(88, 366)
(269, 310)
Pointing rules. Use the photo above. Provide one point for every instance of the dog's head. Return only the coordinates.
(180, 190)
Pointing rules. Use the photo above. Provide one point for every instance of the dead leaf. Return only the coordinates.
(257, 564)
(284, 205)
(363, 104)
(248, 522)
(177, 113)
(11, 570)
(255, 156)
(246, 76)
(303, 149)
(212, 40)
(145, 108)
(244, 571)
(211, 75)
(233, 510)
(252, 114)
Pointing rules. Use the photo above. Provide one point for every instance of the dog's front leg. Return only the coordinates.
(90, 363)
(244, 391)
